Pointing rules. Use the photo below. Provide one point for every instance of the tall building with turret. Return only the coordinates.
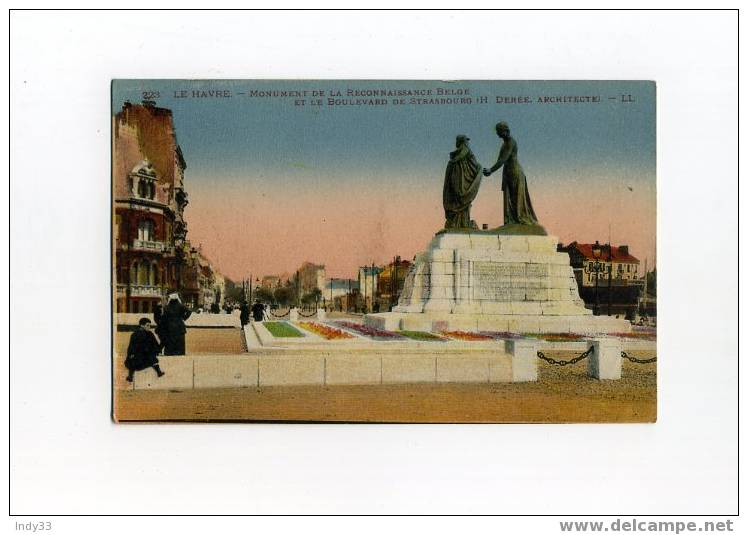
(152, 254)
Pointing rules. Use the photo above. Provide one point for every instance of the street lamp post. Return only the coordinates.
(395, 288)
(596, 267)
(373, 293)
(610, 275)
(365, 286)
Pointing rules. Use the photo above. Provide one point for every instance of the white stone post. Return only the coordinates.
(605, 360)
(321, 314)
(293, 314)
(524, 355)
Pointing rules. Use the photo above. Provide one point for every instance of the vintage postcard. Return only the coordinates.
(384, 251)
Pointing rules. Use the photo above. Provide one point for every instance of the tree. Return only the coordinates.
(264, 294)
(317, 294)
(284, 295)
(312, 298)
(233, 291)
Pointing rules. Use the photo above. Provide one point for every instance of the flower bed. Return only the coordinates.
(371, 332)
(325, 331)
(422, 336)
(557, 337)
(281, 329)
(494, 335)
(468, 336)
(641, 335)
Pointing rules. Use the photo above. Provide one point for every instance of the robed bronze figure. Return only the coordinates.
(461, 183)
(517, 205)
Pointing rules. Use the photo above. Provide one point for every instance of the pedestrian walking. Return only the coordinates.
(244, 313)
(143, 350)
(258, 311)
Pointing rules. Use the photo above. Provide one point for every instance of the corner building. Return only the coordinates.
(149, 200)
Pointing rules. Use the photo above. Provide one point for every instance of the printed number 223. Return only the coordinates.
(150, 95)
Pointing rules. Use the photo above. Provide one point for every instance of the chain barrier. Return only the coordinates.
(279, 316)
(587, 353)
(551, 360)
(310, 315)
(635, 360)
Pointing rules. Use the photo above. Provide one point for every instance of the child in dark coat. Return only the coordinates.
(143, 350)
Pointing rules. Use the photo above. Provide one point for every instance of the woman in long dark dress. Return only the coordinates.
(173, 327)
(143, 350)
(517, 205)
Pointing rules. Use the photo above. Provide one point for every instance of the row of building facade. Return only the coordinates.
(152, 255)
(376, 287)
(610, 280)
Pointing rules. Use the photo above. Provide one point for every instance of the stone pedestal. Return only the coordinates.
(605, 360)
(524, 359)
(482, 280)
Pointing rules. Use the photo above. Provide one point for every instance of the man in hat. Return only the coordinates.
(143, 350)
(461, 183)
(258, 311)
(173, 327)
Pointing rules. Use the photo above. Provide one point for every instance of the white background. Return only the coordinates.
(68, 457)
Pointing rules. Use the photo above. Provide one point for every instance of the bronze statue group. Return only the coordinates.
(146, 343)
(463, 177)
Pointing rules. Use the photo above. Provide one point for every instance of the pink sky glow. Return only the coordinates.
(245, 228)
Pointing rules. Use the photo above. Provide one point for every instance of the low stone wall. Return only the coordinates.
(228, 371)
(129, 319)
(517, 323)
(517, 363)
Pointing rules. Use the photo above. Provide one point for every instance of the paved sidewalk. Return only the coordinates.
(563, 394)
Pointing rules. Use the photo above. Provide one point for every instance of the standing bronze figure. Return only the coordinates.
(517, 205)
(461, 184)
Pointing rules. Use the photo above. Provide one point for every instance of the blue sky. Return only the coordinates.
(264, 135)
(263, 172)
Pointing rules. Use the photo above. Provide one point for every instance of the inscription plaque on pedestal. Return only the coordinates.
(490, 281)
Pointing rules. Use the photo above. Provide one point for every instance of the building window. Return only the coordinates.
(117, 223)
(144, 273)
(146, 230)
(146, 189)
(134, 273)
